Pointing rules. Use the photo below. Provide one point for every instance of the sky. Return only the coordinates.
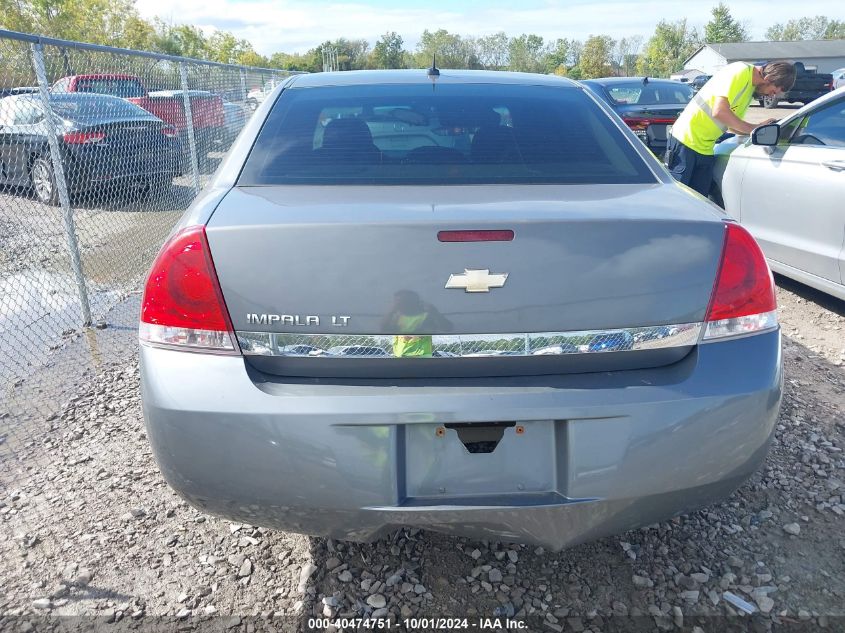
(294, 26)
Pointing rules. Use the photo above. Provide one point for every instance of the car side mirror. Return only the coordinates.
(767, 135)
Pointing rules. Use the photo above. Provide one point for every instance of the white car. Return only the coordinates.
(256, 96)
(838, 78)
(789, 195)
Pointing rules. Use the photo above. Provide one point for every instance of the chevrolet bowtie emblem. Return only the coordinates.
(477, 280)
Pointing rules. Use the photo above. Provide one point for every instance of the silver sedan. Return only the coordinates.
(533, 332)
(791, 194)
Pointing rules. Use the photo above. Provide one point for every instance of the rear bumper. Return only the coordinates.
(600, 453)
(86, 171)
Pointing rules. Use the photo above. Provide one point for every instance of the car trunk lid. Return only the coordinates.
(339, 262)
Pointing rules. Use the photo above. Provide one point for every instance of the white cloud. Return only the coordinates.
(298, 25)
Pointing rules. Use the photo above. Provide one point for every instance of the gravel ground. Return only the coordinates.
(98, 532)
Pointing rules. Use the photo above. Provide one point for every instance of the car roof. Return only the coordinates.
(70, 96)
(178, 93)
(67, 96)
(609, 81)
(102, 76)
(420, 76)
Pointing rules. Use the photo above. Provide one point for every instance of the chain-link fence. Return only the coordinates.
(101, 150)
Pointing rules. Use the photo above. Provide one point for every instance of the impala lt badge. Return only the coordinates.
(294, 319)
(477, 280)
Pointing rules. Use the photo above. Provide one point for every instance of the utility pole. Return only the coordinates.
(330, 59)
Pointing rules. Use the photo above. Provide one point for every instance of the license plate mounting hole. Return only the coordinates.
(480, 438)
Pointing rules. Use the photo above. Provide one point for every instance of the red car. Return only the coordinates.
(206, 109)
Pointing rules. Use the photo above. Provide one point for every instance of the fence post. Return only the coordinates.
(243, 85)
(60, 182)
(189, 121)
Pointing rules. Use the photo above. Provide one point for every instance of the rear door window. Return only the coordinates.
(440, 134)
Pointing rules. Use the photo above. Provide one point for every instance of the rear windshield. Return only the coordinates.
(440, 134)
(637, 93)
(88, 108)
(124, 88)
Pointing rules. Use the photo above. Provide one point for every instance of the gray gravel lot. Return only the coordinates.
(757, 114)
(96, 531)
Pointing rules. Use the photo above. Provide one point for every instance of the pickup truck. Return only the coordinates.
(169, 106)
(809, 85)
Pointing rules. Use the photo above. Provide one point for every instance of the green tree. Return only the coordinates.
(191, 41)
(557, 57)
(723, 28)
(526, 54)
(596, 57)
(451, 49)
(817, 28)
(666, 50)
(576, 47)
(388, 52)
(138, 34)
(251, 58)
(93, 21)
(287, 61)
(574, 73)
(224, 47)
(493, 51)
(625, 54)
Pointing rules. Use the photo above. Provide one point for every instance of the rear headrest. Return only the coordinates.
(346, 134)
(494, 144)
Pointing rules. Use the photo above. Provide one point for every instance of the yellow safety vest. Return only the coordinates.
(412, 345)
(697, 128)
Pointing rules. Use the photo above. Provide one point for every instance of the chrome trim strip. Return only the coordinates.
(469, 345)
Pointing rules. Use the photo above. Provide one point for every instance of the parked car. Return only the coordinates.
(102, 140)
(560, 348)
(356, 350)
(20, 90)
(809, 85)
(486, 353)
(658, 332)
(236, 118)
(256, 96)
(648, 106)
(611, 341)
(301, 350)
(789, 194)
(698, 83)
(838, 78)
(168, 105)
(534, 216)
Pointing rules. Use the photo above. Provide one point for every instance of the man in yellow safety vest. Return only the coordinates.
(718, 107)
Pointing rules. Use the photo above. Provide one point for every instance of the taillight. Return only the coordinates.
(505, 235)
(183, 306)
(84, 138)
(743, 300)
(169, 131)
(636, 123)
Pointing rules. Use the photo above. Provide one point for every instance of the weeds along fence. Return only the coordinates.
(101, 150)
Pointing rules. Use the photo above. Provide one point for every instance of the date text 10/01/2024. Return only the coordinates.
(412, 624)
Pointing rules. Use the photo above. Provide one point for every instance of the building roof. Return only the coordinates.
(776, 50)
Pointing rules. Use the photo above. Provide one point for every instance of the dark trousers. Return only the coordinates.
(689, 167)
